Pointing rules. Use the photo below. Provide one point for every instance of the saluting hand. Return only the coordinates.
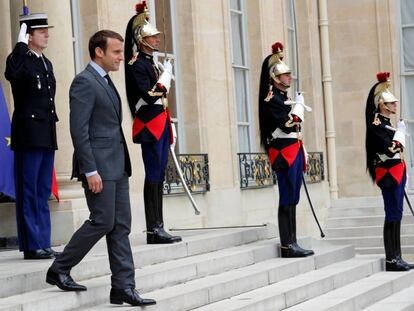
(95, 183)
(23, 35)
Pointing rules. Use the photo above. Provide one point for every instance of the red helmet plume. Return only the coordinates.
(139, 8)
(277, 47)
(383, 76)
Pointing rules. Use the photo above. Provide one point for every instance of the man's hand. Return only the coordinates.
(95, 183)
(23, 35)
(167, 65)
(402, 127)
(399, 135)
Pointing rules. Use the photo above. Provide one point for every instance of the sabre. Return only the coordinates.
(174, 157)
(303, 176)
(164, 30)
(311, 206)
(180, 174)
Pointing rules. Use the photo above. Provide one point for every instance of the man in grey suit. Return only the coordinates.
(101, 161)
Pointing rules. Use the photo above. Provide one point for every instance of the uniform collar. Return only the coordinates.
(385, 118)
(278, 91)
(35, 53)
(145, 55)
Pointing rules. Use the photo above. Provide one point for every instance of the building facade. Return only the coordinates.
(335, 48)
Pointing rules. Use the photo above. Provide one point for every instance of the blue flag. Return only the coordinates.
(6, 154)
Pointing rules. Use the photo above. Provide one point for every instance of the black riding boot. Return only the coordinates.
(153, 213)
(288, 249)
(306, 252)
(165, 236)
(397, 237)
(392, 262)
(150, 205)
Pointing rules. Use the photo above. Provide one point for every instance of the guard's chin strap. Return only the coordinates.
(277, 80)
(143, 42)
(388, 109)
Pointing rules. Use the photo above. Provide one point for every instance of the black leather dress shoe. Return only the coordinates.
(160, 236)
(38, 254)
(294, 250)
(130, 296)
(52, 251)
(63, 281)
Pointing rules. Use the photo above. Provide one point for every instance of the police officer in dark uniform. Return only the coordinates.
(386, 166)
(280, 132)
(147, 86)
(33, 134)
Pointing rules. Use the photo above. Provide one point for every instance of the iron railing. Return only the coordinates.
(256, 172)
(195, 171)
(315, 171)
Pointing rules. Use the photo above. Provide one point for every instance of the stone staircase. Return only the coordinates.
(232, 269)
(359, 222)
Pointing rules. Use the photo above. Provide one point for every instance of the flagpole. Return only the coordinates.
(25, 8)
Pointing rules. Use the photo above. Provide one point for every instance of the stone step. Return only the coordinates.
(197, 293)
(368, 241)
(400, 301)
(360, 294)
(376, 201)
(289, 292)
(405, 249)
(22, 276)
(406, 229)
(361, 211)
(361, 221)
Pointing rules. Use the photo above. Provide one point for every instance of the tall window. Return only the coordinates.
(293, 55)
(163, 15)
(76, 36)
(407, 74)
(241, 74)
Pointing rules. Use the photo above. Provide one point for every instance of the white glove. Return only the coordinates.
(166, 76)
(167, 66)
(23, 36)
(299, 106)
(402, 127)
(400, 137)
(299, 98)
(298, 110)
(400, 133)
(165, 80)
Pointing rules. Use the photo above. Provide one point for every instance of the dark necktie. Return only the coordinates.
(44, 62)
(111, 84)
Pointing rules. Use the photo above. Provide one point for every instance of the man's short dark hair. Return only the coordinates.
(99, 40)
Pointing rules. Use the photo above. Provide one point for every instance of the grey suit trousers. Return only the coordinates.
(110, 215)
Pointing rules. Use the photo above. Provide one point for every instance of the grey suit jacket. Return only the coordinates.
(95, 128)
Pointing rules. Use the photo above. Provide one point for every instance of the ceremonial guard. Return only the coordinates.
(33, 134)
(280, 133)
(385, 164)
(147, 86)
